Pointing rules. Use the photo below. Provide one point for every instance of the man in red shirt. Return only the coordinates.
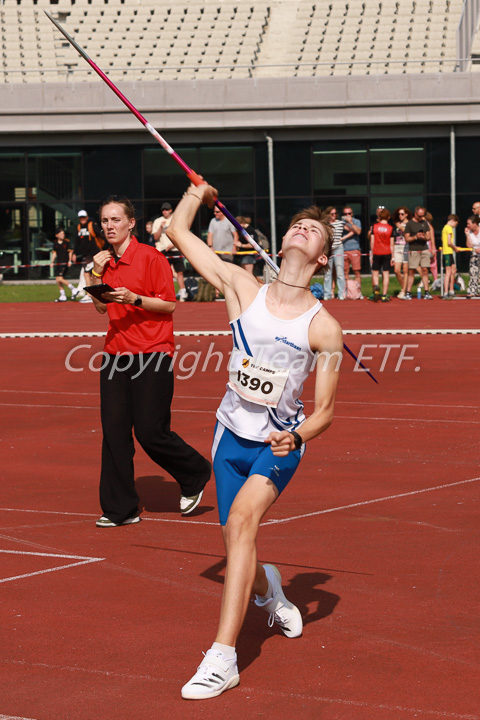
(381, 249)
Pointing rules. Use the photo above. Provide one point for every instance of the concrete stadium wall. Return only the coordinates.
(56, 112)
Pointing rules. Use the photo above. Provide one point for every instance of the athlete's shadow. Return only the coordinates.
(303, 590)
(162, 496)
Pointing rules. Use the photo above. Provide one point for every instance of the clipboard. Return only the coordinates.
(97, 291)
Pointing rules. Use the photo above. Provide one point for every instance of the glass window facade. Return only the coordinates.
(42, 188)
(340, 171)
(12, 176)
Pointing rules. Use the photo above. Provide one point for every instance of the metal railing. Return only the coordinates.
(70, 73)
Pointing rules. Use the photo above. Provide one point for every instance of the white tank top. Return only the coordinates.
(281, 343)
(475, 239)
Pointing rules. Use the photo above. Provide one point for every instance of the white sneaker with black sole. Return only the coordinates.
(281, 610)
(105, 522)
(215, 674)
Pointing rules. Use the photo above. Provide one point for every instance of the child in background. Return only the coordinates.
(448, 248)
(149, 238)
(62, 260)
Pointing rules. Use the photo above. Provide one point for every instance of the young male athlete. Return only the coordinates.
(261, 428)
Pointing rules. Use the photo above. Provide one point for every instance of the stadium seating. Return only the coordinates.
(171, 39)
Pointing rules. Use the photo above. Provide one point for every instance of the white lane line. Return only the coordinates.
(58, 407)
(251, 692)
(187, 522)
(413, 712)
(91, 515)
(441, 421)
(371, 502)
(272, 522)
(82, 561)
(397, 419)
(49, 512)
(49, 392)
(94, 334)
(226, 333)
(350, 417)
(219, 397)
(393, 404)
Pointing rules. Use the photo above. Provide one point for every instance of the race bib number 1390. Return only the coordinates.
(259, 382)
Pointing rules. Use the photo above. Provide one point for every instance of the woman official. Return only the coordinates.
(136, 379)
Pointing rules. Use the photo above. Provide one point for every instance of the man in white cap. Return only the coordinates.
(87, 244)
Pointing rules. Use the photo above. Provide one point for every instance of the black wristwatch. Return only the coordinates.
(296, 439)
(138, 301)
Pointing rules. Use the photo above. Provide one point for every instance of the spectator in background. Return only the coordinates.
(221, 234)
(381, 247)
(432, 246)
(472, 233)
(476, 208)
(337, 256)
(61, 261)
(351, 245)
(149, 239)
(400, 248)
(163, 245)
(245, 261)
(448, 250)
(160, 224)
(378, 210)
(220, 238)
(417, 235)
(89, 241)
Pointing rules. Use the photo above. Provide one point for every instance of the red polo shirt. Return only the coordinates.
(144, 271)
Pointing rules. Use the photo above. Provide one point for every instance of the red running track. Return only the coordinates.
(376, 538)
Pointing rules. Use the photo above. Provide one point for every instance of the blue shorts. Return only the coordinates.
(235, 459)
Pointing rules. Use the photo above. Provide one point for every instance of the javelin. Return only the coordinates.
(191, 174)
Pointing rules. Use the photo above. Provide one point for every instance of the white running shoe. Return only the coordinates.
(104, 521)
(188, 504)
(214, 675)
(283, 612)
(85, 300)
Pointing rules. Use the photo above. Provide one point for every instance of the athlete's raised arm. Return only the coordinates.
(203, 259)
(238, 286)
